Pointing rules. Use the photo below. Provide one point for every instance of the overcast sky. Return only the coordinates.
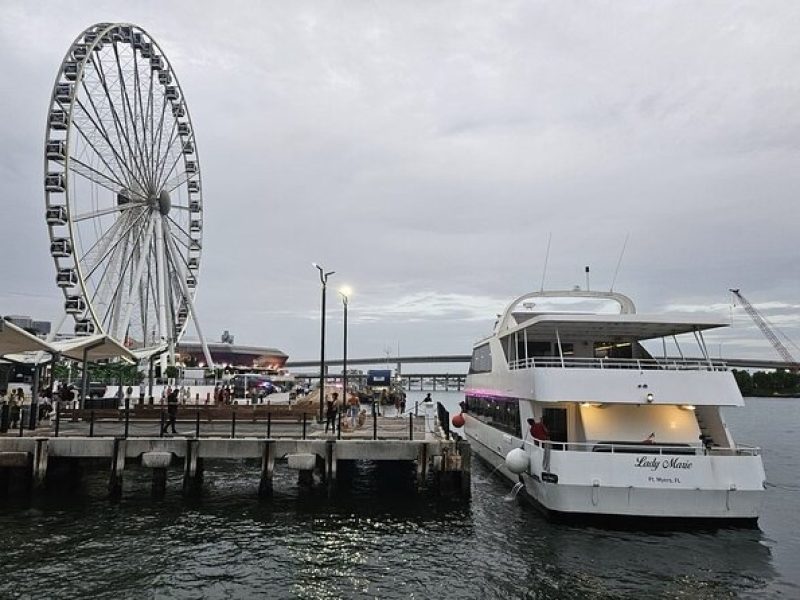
(425, 151)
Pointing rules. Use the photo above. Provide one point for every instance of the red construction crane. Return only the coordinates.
(765, 329)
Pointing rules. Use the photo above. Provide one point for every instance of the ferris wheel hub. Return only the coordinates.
(164, 203)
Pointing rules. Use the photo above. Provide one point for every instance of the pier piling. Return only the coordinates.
(117, 469)
(267, 469)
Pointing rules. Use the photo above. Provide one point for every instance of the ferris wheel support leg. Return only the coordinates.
(190, 304)
(161, 273)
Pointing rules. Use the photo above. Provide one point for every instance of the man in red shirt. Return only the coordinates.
(538, 430)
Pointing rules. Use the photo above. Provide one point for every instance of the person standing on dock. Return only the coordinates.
(172, 411)
(330, 412)
(427, 405)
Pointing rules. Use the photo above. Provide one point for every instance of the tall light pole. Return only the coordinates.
(323, 279)
(345, 293)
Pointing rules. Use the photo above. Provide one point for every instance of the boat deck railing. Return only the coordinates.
(640, 364)
(645, 448)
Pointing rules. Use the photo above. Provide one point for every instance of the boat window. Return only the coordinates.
(501, 413)
(481, 360)
(613, 350)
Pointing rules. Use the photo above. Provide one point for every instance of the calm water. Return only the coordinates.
(379, 541)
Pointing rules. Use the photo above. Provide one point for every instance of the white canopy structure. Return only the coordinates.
(14, 341)
(93, 348)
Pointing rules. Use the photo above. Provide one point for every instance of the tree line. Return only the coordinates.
(781, 382)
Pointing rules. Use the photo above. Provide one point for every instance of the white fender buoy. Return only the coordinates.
(518, 461)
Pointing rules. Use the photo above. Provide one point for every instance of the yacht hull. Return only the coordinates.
(562, 499)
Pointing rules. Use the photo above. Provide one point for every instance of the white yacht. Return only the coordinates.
(630, 432)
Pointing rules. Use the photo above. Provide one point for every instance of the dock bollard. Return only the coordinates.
(58, 417)
(305, 420)
(269, 425)
(197, 423)
(233, 423)
(410, 426)
(127, 416)
(91, 423)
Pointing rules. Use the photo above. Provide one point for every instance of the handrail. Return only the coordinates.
(639, 364)
(632, 448)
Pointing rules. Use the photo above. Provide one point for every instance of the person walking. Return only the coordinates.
(331, 410)
(141, 392)
(354, 404)
(13, 407)
(172, 412)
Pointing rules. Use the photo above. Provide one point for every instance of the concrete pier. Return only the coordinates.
(446, 459)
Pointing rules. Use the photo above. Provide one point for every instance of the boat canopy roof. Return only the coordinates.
(623, 327)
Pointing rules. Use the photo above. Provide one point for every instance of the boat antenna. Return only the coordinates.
(619, 261)
(546, 258)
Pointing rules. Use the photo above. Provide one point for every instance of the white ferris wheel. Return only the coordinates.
(123, 190)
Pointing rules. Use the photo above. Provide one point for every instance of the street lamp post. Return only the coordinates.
(323, 279)
(345, 293)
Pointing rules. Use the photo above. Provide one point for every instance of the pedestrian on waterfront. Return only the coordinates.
(403, 402)
(13, 404)
(172, 412)
(353, 406)
(330, 412)
(128, 395)
(141, 392)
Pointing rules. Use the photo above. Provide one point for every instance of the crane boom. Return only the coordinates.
(765, 328)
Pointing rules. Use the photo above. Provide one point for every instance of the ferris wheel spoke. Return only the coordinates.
(150, 117)
(116, 298)
(180, 228)
(102, 240)
(114, 270)
(108, 251)
(164, 159)
(141, 112)
(136, 280)
(100, 128)
(176, 182)
(163, 179)
(122, 127)
(105, 211)
(125, 102)
(95, 176)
